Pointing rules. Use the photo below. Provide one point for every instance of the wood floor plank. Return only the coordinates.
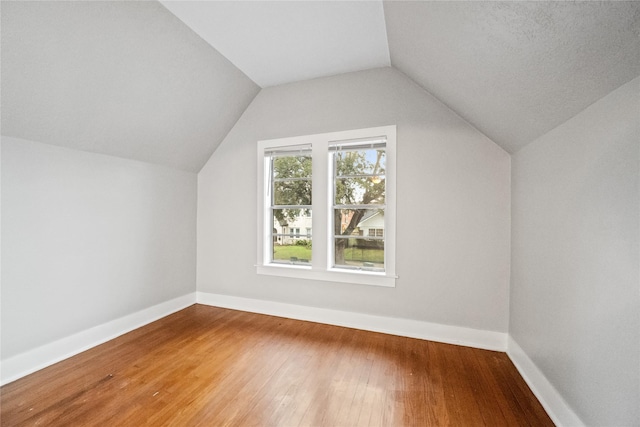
(490, 383)
(215, 367)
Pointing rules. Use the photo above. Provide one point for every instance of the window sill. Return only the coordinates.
(358, 277)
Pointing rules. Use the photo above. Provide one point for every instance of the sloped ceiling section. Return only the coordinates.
(122, 78)
(516, 70)
(130, 79)
(276, 42)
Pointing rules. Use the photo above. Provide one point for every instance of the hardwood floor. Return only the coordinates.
(215, 367)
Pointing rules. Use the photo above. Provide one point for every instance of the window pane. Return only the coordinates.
(296, 192)
(360, 253)
(292, 167)
(360, 162)
(360, 191)
(298, 253)
(290, 240)
(358, 222)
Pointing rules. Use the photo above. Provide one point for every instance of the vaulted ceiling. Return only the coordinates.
(121, 78)
(280, 42)
(164, 82)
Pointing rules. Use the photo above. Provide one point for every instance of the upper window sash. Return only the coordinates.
(288, 150)
(358, 144)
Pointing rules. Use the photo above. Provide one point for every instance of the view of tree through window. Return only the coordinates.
(291, 184)
(359, 205)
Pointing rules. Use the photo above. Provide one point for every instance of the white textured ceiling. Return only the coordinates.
(515, 70)
(286, 41)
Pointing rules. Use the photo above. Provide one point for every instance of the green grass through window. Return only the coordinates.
(286, 252)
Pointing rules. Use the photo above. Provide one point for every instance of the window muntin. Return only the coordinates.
(368, 257)
(357, 253)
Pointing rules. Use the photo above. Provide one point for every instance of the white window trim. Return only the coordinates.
(321, 217)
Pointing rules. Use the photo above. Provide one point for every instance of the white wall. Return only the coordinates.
(575, 293)
(453, 203)
(87, 239)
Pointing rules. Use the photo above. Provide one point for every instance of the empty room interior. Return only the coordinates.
(330, 213)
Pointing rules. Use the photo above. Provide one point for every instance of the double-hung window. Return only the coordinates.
(358, 200)
(289, 191)
(341, 185)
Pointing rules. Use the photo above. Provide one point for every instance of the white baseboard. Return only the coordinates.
(469, 337)
(552, 401)
(26, 363)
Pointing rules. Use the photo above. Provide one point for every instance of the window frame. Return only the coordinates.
(320, 268)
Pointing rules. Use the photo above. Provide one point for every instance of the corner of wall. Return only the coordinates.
(551, 400)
